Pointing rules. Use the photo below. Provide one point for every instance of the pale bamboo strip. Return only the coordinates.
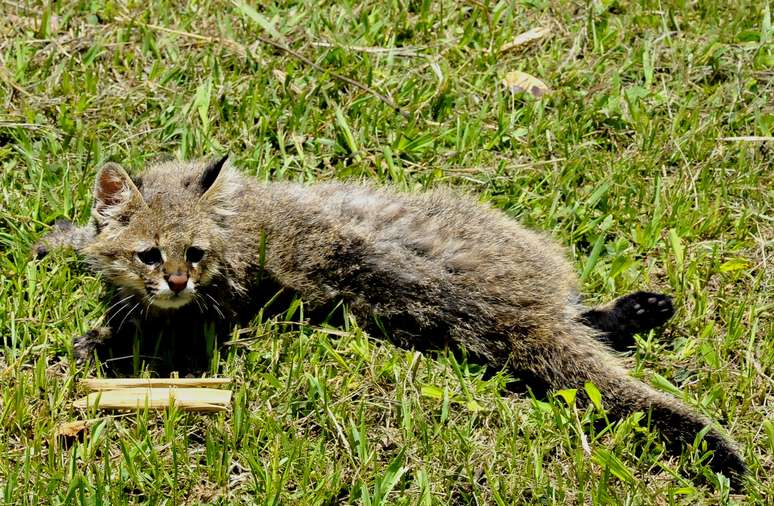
(188, 399)
(96, 384)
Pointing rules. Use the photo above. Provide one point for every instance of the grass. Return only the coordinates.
(625, 162)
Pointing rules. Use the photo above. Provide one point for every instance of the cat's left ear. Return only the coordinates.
(211, 172)
(219, 183)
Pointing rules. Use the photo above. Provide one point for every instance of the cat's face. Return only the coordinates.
(165, 259)
(163, 240)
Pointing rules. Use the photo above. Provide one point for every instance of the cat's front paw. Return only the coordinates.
(84, 346)
(643, 311)
(39, 250)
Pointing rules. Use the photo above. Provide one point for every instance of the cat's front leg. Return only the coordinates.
(64, 234)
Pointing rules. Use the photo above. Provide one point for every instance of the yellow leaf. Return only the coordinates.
(594, 394)
(568, 394)
(518, 82)
(735, 264)
(473, 405)
(432, 391)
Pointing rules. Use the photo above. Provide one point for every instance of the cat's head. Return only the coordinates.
(162, 236)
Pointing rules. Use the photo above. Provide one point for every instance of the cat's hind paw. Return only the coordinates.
(643, 311)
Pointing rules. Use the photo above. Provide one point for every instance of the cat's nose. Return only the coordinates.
(177, 282)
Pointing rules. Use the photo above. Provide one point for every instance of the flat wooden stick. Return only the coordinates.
(188, 399)
(98, 384)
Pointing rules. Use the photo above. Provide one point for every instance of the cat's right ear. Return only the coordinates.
(116, 197)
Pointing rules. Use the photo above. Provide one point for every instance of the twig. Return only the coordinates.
(353, 82)
(747, 138)
(243, 51)
(6, 77)
(397, 51)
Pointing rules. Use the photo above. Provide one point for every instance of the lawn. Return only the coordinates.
(650, 158)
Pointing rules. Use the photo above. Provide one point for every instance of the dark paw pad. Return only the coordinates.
(642, 311)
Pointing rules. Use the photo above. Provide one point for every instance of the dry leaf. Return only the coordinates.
(748, 138)
(70, 432)
(32, 23)
(73, 429)
(585, 443)
(518, 82)
(281, 76)
(526, 38)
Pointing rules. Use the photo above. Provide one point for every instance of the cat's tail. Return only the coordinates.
(571, 362)
(64, 235)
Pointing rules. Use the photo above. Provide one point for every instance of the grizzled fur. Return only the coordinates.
(193, 246)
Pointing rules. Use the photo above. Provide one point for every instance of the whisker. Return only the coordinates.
(126, 357)
(216, 306)
(127, 315)
(198, 301)
(119, 302)
(147, 301)
(116, 313)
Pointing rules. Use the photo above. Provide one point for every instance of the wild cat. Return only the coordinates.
(196, 247)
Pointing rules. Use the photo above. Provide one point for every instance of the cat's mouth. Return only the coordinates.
(164, 298)
(172, 301)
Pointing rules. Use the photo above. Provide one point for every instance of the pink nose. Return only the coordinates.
(177, 282)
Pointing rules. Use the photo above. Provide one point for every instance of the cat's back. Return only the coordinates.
(461, 236)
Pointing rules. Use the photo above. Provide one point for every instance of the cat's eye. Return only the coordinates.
(194, 254)
(150, 256)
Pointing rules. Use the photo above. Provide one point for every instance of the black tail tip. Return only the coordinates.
(728, 461)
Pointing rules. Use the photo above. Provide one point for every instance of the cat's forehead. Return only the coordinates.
(170, 179)
(171, 226)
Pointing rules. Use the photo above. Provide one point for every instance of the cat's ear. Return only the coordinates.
(211, 172)
(219, 184)
(115, 195)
